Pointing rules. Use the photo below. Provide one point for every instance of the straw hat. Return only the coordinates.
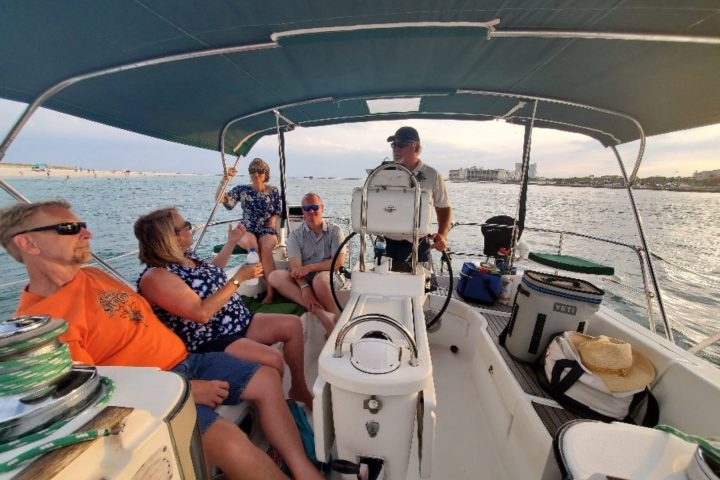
(614, 362)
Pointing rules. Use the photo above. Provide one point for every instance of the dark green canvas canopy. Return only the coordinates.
(664, 73)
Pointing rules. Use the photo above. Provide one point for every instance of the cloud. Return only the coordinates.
(347, 150)
(46, 123)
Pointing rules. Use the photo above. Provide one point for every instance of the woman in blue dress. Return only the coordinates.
(196, 300)
(261, 210)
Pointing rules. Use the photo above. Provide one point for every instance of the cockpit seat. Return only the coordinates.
(571, 264)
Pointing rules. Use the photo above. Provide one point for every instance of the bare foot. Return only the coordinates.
(302, 395)
(269, 298)
(327, 319)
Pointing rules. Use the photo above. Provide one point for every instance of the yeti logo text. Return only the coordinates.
(390, 208)
(566, 309)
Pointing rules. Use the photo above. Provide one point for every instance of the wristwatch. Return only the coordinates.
(236, 282)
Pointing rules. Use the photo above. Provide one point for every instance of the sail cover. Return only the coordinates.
(320, 61)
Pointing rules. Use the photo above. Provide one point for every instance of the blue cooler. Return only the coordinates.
(479, 286)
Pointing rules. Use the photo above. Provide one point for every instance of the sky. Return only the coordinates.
(347, 150)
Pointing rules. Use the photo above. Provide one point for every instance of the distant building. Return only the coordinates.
(706, 175)
(532, 171)
(478, 174)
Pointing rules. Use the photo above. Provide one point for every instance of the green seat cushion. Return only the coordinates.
(571, 264)
(279, 305)
(236, 251)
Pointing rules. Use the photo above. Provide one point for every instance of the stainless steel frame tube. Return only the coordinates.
(646, 250)
(226, 182)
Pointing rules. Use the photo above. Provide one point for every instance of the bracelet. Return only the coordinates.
(304, 286)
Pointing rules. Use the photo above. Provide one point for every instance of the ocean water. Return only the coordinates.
(682, 230)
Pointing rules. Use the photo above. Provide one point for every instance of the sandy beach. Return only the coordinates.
(25, 171)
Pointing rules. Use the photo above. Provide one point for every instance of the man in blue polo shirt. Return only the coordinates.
(310, 249)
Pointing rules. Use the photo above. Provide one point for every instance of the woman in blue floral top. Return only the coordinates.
(261, 210)
(196, 300)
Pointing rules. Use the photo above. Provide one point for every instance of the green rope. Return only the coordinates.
(67, 440)
(28, 373)
(34, 341)
(35, 372)
(709, 447)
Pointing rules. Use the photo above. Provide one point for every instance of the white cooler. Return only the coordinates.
(546, 304)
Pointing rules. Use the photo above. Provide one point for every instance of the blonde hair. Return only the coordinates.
(157, 238)
(311, 194)
(18, 217)
(264, 165)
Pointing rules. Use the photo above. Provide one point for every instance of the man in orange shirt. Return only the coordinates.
(110, 324)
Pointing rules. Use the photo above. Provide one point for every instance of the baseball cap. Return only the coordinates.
(405, 134)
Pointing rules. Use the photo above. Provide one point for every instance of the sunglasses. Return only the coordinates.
(400, 144)
(314, 208)
(67, 228)
(259, 171)
(187, 226)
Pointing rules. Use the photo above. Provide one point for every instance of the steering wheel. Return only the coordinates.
(429, 324)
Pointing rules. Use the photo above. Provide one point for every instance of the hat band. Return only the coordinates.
(621, 372)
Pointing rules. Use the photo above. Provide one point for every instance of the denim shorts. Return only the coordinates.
(217, 366)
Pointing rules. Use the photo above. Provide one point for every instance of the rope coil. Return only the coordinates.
(29, 365)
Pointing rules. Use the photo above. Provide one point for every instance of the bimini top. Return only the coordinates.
(231, 63)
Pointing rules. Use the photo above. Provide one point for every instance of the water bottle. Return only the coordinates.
(380, 250)
(252, 259)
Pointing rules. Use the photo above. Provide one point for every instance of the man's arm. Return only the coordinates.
(444, 216)
(297, 273)
(321, 266)
(74, 336)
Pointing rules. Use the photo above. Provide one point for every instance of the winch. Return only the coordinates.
(40, 387)
(145, 426)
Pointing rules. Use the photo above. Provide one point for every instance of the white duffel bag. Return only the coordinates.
(599, 378)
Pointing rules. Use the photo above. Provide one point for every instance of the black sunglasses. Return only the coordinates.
(67, 228)
(259, 171)
(187, 226)
(314, 208)
(400, 144)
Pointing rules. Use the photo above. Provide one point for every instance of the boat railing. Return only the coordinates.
(345, 222)
(647, 293)
(91, 264)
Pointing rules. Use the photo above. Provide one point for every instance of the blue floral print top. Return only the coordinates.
(205, 279)
(257, 207)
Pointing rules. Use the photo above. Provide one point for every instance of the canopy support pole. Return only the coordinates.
(520, 211)
(645, 248)
(283, 185)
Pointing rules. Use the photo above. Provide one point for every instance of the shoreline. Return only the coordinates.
(615, 187)
(25, 171)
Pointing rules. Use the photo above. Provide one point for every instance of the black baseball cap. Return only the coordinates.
(405, 134)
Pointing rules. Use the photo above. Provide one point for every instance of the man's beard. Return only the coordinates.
(81, 256)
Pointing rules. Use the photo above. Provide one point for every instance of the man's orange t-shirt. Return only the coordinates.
(108, 323)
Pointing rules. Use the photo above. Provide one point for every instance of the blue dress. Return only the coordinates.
(257, 207)
(205, 279)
